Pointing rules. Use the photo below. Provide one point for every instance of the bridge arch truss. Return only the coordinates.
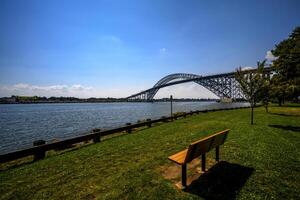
(222, 85)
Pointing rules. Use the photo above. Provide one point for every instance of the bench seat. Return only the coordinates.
(179, 157)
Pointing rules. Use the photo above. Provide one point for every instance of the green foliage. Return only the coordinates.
(252, 83)
(127, 167)
(280, 88)
(265, 91)
(287, 65)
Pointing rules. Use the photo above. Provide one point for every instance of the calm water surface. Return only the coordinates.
(21, 124)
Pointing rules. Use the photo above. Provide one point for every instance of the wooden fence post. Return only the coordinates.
(41, 154)
(97, 137)
(164, 119)
(149, 122)
(129, 129)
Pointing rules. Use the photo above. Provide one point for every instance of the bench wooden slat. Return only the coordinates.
(199, 147)
(205, 145)
(210, 136)
(179, 157)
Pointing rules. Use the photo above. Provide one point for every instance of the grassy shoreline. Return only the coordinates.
(126, 167)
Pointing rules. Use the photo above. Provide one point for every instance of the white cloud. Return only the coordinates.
(270, 57)
(52, 90)
(80, 87)
(186, 90)
(247, 68)
(75, 90)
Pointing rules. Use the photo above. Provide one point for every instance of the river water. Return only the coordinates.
(21, 124)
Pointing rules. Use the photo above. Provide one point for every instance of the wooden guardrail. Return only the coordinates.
(40, 150)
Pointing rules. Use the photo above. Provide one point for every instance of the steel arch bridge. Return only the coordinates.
(223, 85)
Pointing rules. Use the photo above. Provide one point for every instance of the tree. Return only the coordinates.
(279, 88)
(265, 93)
(286, 82)
(251, 83)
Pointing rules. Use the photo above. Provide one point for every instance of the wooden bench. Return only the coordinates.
(197, 149)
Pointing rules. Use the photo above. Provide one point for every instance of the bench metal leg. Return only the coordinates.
(183, 175)
(217, 154)
(203, 162)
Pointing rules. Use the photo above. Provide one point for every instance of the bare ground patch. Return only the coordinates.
(172, 171)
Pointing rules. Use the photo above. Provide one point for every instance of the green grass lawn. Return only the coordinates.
(263, 161)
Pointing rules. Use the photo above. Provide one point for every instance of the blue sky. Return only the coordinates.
(116, 48)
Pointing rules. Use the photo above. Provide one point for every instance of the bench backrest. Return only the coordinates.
(205, 145)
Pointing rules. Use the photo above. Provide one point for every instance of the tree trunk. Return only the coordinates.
(251, 115)
(266, 107)
(279, 101)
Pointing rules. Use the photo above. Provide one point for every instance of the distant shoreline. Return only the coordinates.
(43, 100)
